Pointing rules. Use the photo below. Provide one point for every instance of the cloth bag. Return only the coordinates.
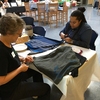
(58, 63)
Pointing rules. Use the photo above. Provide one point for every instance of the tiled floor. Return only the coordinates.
(93, 92)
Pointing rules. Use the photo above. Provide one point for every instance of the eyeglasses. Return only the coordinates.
(19, 34)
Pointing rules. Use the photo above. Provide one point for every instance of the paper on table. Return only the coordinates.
(77, 50)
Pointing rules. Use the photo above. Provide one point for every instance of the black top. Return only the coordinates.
(9, 61)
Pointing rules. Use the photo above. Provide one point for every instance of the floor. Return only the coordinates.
(93, 91)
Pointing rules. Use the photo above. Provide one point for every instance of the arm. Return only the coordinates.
(28, 59)
(5, 79)
(83, 37)
(5, 74)
(8, 4)
(5, 5)
(63, 33)
(84, 40)
(1, 3)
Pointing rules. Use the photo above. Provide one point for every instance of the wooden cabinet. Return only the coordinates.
(91, 2)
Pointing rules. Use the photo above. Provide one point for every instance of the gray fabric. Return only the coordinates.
(57, 63)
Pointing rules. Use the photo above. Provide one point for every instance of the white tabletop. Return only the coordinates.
(74, 88)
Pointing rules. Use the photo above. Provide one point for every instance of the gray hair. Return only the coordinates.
(10, 23)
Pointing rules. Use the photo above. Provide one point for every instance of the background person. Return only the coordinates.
(13, 69)
(77, 31)
(6, 4)
(1, 4)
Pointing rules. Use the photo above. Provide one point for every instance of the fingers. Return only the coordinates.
(68, 40)
(29, 59)
(23, 67)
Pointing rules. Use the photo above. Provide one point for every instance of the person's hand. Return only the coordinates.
(62, 35)
(23, 68)
(22, 59)
(68, 40)
(28, 59)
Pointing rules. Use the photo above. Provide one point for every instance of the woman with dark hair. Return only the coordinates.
(77, 31)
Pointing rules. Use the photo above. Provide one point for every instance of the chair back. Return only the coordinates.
(53, 7)
(53, 13)
(36, 29)
(41, 7)
(41, 12)
(27, 6)
(28, 20)
(93, 39)
(65, 7)
(39, 30)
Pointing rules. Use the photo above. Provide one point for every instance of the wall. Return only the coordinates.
(87, 2)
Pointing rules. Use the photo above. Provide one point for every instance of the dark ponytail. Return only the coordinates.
(82, 9)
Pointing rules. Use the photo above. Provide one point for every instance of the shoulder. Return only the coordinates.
(68, 25)
(1, 46)
(86, 26)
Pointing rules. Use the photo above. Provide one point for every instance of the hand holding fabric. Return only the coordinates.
(68, 40)
(23, 67)
(28, 59)
(62, 35)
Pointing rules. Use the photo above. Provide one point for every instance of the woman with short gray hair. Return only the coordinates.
(13, 69)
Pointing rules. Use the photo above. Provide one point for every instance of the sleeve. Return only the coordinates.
(65, 29)
(3, 63)
(85, 37)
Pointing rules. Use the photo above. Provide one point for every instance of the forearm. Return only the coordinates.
(9, 76)
(22, 68)
(64, 31)
(84, 39)
(81, 43)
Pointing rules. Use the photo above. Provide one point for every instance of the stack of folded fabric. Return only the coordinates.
(41, 44)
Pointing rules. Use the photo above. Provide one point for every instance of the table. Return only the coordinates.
(18, 9)
(34, 5)
(77, 86)
(74, 88)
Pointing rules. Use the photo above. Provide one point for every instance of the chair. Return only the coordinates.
(28, 20)
(28, 10)
(36, 29)
(41, 12)
(64, 13)
(53, 13)
(93, 39)
(39, 30)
